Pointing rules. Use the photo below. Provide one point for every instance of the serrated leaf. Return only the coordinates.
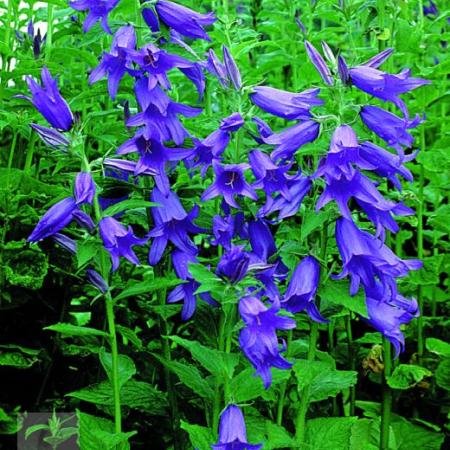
(74, 330)
(126, 367)
(147, 287)
(409, 436)
(442, 374)
(98, 433)
(128, 205)
(438, 346)
(246, 386)
(329, 433)
(219, 364)
(190, 376)
(322, 379)
(406, 376)
(337, 292)
(201, 437)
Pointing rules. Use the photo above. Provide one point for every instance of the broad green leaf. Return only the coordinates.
(208, 281)
(438, 346)
(134, 394)
(68, 329)
(246, 386)
(147, 287)
(442, 374)
(329, 433)
(97, 433)
(337, 292)
(409, 436)
(406, 376)
(190, 376)
(201, 437)
(86, 251)
(126, 367)
(219, 364)
(313, 222)
(128, 205)
(322, 379)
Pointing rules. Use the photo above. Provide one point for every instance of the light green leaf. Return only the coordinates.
(438, 346)
(219, 364)
(406, 376)
(443, 374)
(329, 433)
(323, 380)
(410, 436)
(147, 287)
(190, 376)
(337, 292)
(98, 433)
(126, 367)
(245, 386)
(201, 437)
(68, 329)
(128, 205)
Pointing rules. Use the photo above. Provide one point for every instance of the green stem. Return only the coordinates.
(387, 397)
(49, 38)
(348, 326)
(30, 153)
(300, 421)
(283, 388)
(7, 38)
(225, 6)
(217, 397)
(420, 215)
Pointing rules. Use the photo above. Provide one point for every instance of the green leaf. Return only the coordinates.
(323, 380)
(337, 292)
(147, 287)
(208, 281)
(86, 251)
(128, 205)
(409, 436)
(38, 427)
(438, 346)
(98, 433)
(190, 376)
(201, 437)
(245, 386)
(134, 394)
(17, 359)
(313, 222)
(129, 335)
(68, 329)
(329, 433)
(442, 374)
(406, 376)
(126, 367)
(219, 364)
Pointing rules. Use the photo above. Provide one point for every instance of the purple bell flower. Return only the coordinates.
(384, 85)
(153, 157)
(54, 220)
(84, 188)
(65, 242)
(384, 163)
(184, 20)
(377, 60)
(263, 129)
(49, 102)
(97, 280)
(301, 291)
(98, 10)
(232, 431)
(259, 341)
(159, 114)
(226, 228)
(319, 63)
(269, 176)
(298, 186)
(389, 127)
(172, 223)
(185, 292)
(232, 69)
(430, 9)
(287, 105)
(211, 148)
(51, 137)
(217, 68)
(293, 138)
(229, 181)
(118, 241)
(343, 71)
(234, 264)
(387, 313)
(116, 63)
(366, 258)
